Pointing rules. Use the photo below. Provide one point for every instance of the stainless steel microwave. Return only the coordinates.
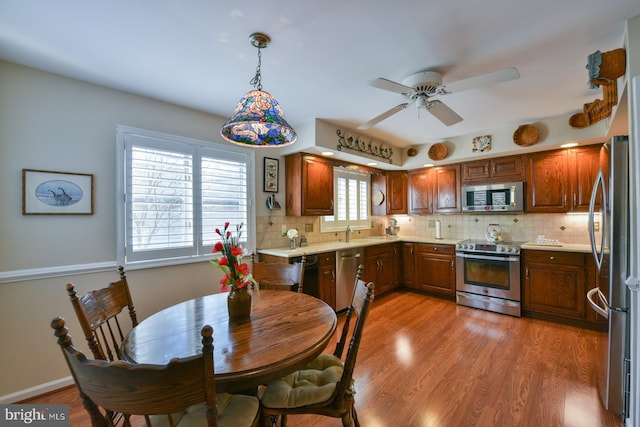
(506, 197)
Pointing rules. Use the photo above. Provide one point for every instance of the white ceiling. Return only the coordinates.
(323, 54)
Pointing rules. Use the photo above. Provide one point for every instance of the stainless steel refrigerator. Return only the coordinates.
(609, 233)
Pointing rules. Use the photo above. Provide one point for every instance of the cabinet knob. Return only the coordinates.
(552, 257)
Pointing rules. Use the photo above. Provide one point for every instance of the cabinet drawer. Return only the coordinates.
(327, 259)
(435, 248)
(555, 257)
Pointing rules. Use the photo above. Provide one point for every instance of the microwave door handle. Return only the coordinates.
(591, 300)
(598, 256)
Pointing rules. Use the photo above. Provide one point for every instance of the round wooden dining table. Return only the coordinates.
(287, 330)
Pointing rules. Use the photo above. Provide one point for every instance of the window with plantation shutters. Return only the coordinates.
(351, 201)
(177, 191)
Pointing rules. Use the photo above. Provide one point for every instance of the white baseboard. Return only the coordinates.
(36, 391)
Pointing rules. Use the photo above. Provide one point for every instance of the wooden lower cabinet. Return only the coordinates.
(327, 278)
(380, 266)
(435, 269)
(555, 285)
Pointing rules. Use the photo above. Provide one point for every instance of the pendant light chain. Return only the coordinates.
(256, 81)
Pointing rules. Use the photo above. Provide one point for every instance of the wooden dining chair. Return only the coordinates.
(279, 275)
(98, 313)
(180, 393)
(325, 386)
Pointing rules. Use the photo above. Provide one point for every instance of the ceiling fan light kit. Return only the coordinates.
(258, 120)
(420, 88)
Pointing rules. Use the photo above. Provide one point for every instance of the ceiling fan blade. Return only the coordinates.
(483, 80)
(384, 115)
(385, 84)
(443, 113)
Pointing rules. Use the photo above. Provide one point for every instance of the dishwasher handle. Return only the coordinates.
(350, 256)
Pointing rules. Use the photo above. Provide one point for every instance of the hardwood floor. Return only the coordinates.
(426, 362)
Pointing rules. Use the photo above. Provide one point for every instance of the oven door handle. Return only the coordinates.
(488, 257)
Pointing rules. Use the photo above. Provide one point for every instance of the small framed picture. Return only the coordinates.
(56, 193)
(271, 175)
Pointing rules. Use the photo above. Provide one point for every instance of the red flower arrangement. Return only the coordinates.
(236, 272)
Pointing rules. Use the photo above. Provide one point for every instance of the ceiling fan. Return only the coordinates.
(421, 87)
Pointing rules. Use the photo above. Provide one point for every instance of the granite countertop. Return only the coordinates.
(316, 248)
(564, 247)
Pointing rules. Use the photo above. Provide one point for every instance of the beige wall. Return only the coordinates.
(55, 123)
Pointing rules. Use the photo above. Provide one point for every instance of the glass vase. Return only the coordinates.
(239, 304)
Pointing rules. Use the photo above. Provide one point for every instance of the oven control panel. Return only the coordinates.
(480, 246)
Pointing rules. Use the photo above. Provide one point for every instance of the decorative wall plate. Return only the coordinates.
(377, 197)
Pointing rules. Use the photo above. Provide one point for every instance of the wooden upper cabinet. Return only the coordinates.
(378, 183)
(396, 193)
(309, 185)
(586, 163)
(547, 182)
(446, 189)
(420, 192)
(435, 190)
(562, 180)
(501, 169)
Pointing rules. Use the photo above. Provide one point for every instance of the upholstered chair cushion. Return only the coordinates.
(313, 384)
(234, 410)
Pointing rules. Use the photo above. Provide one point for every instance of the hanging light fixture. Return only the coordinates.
(258, 120)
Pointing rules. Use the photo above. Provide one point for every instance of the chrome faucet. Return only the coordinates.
(346, 233)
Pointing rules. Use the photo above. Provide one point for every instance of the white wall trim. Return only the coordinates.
(56, 271)
(37, 390)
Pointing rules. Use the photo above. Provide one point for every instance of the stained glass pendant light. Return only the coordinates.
(258, 120)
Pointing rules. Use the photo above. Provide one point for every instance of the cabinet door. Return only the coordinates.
(554, 284)
(420, 192)
(317, 186)
(547, 182)
(586, 163)
(446, 189)
(510, 168)
(327, 278)
(435, 269)
(476, 171)
(406, 264)
(386, 281)
(396, 193)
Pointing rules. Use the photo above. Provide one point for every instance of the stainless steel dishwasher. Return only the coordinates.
(347, 262)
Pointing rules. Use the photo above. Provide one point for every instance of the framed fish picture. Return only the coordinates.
(56, 193)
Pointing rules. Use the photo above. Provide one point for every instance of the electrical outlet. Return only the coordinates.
(308, 228)
(596, 226)
(431, 223)
(284, 228)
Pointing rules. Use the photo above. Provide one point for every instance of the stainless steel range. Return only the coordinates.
(488, 275)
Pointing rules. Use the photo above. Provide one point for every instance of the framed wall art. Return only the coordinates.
(271, 175)
(56, 193)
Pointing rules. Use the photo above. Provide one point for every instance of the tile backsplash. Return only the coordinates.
(566, 228)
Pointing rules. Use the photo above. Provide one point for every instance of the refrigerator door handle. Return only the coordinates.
(604, 312)
(598, 256)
